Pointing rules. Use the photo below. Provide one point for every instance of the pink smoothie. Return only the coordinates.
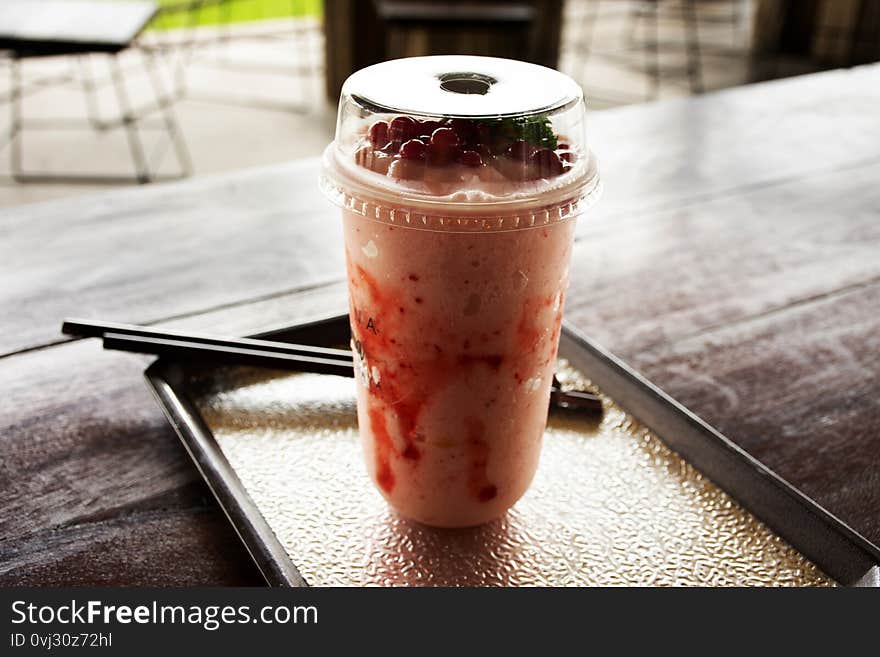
(456, 335)
(459, 180)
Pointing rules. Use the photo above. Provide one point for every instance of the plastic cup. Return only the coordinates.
(458, 198)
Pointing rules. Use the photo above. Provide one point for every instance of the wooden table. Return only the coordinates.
(734, 260)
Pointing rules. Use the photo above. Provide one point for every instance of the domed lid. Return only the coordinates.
(459, 135)
(461, 86)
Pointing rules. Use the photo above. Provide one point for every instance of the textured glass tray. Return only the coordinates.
(611, 502)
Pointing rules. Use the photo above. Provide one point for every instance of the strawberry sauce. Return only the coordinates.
(453, 378)
(458, 179)
(481, 488)
(384, 450)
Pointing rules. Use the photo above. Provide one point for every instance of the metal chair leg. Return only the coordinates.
(652, 51)
(184, 50)
(692, 38)
(165, 104)
(130, 120)
(129, 123)
(16, 145)
(735, 22)
(87, 81)
(634, 17)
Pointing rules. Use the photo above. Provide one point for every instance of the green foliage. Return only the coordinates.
(175, 14)
(536, 130)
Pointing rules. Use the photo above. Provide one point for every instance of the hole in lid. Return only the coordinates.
(466, 83)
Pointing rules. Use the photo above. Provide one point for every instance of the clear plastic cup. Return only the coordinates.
(459, 180)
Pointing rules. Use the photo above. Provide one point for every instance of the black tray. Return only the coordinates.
(842, 553)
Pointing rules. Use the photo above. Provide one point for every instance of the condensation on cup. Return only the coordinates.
(459, 180)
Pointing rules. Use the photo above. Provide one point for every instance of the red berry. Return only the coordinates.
(414, 149)
(402, 128)
(445, 138)
(466, 131)
(520, 150)
(565, 153)
(443, 148)
(426, 128)
(470, 159)
(392, 147)
(379, 134)
(546, 163)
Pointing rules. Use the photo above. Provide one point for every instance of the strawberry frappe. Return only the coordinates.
(458, 209)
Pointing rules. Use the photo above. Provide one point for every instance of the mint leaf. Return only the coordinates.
(536, 130)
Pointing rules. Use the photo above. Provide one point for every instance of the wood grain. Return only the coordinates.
(733, 260)
(660, 277)
(96, 487)
(181, 248)
(799, 389)
(167, 251)
(671, 153)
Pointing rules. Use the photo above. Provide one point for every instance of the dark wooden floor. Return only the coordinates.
(734, 260)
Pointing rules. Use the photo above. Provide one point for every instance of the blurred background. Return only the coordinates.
(99, 92)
